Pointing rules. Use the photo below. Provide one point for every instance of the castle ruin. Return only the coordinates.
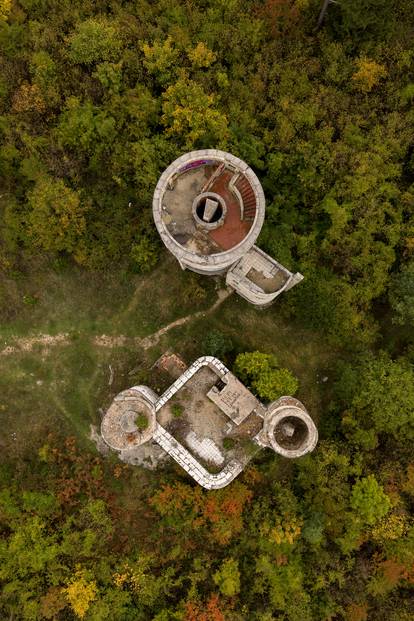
(208, 422)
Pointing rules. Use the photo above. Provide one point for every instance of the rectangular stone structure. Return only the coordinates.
(234, 399)
(209, 209)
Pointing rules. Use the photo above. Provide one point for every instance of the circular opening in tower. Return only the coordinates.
(203, 207)
(209, 210)
(291, 433)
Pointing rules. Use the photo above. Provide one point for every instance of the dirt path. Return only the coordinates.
(28, 343)
(47, 341)
(152, 339)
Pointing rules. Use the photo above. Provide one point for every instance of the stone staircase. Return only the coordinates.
(248, 197)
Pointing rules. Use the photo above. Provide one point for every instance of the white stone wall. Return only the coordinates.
(236, 279)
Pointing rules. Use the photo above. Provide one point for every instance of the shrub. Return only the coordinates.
(144, 254)
(217, 344)
(228, 443)
(141, 421)
(177, 410)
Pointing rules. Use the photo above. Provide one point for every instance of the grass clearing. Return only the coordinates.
(65, 386)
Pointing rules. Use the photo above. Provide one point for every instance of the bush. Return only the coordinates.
(177, 410)
(228, 443)
(141, 421)
(262, 373)
(217, 344)
(144, 254)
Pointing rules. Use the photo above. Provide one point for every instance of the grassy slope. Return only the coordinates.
(65, 386)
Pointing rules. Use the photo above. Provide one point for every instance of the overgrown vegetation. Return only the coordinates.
(141, 421)
(177, 410)
(96, 98)
(263, 373)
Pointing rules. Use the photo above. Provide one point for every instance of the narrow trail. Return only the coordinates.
(152, 339)
(28, 343)
(46, 341)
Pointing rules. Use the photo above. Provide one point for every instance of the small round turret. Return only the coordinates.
(288, 428)
(130, 420)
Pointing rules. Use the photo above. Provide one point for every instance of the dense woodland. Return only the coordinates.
(97, 97)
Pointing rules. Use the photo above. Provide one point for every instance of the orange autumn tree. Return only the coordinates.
(208, 612)
(218, 514)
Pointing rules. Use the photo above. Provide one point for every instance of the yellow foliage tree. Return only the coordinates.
(138, 578)
(287, 530)
(390, 527)
(5, 8)
(368, 74)
(56, 218)
(161, 59)
(189, 112)
(80, 593)
(201, 56)
(28, 98)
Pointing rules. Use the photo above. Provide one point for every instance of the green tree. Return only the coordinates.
(369, 500)
(95, 40)
(227, 577)
(401, 295)
(85, 127)
(274, 383)
(56, 217)
(262, 372)
(379, 397)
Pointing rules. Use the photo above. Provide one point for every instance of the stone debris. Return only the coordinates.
(205, 448)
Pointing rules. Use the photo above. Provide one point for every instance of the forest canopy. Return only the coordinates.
(96, 99)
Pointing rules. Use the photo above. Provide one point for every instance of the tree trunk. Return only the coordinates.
(322, 13)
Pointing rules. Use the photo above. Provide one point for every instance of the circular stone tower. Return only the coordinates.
(209, 208)
(130, 420)
(288, 429)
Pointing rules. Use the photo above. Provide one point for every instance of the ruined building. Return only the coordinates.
(209, 208)
(208, 422)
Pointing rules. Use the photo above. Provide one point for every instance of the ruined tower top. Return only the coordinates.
(209, 208)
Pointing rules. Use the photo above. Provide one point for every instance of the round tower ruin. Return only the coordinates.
(130, 421)
(288, 429)
(209, 208)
